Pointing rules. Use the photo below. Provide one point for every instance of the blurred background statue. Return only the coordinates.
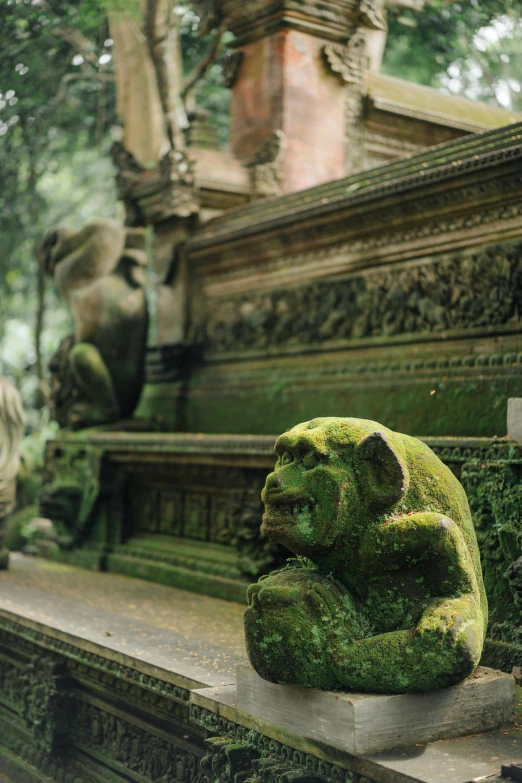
(98, 373)
(12, 423)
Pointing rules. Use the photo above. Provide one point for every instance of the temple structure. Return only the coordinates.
(357, 252)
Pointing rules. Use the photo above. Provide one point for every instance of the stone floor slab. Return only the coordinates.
(188, 639)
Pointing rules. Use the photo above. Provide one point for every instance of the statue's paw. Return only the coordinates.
(79, 415)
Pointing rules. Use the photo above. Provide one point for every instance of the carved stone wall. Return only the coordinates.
(494, 489)
(199, 503)
(453, 292)
(191, 521)
(58, 716)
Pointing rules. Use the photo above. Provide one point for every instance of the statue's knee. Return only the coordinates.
(84, 357)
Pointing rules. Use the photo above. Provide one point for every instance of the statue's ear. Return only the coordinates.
(381, 471)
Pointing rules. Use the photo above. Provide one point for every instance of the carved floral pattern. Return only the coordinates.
(239, 755)
(346, 60)
(266, 167)
(495, 496)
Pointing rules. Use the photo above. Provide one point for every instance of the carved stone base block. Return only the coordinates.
(360, 723)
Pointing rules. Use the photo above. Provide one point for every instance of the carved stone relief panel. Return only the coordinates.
(457, 291)
(171, 513)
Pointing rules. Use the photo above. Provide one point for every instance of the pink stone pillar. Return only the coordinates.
(285, 84)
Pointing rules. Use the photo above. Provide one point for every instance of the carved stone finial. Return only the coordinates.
(265, 167)
(347, 60)
(152, 195)
(371, 14)
(386, 593)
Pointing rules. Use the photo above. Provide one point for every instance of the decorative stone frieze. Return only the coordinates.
(332, 19)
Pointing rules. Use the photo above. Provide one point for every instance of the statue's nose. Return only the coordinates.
(273, 484)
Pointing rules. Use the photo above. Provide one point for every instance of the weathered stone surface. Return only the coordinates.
(514, 419)
(284, 86)
(368, 723)
(184, 638)
(457, 760)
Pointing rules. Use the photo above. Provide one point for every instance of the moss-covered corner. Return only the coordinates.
(388, 594)
(494, 490)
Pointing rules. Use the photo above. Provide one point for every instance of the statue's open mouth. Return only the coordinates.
(284, 511)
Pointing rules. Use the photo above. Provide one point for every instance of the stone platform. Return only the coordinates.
(362, 723)
(108, 679)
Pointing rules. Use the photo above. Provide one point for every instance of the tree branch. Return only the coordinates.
(77, 40)
(204, 64)
(69, 77)
(158, 45)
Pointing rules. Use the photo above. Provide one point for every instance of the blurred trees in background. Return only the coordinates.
(470, 48)
(58, 118)
(57, 123)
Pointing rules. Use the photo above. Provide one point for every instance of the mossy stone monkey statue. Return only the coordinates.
(98, 374)
(387, 592)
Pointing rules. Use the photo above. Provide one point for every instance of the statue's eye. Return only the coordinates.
(310, 460)
(286, 458)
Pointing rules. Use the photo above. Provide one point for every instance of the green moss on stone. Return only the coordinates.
(394, 600)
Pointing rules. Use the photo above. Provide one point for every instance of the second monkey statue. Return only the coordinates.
(98, 373)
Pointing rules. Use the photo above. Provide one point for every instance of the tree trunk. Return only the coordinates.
(150, 107)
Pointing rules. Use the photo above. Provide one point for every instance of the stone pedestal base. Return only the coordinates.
(359, 723)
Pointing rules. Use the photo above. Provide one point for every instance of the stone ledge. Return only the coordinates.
(128, 627)
(460, 760)
(364, 723)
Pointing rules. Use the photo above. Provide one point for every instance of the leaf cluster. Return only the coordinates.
(422, 45)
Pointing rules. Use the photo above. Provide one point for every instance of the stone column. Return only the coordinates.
(289, 106)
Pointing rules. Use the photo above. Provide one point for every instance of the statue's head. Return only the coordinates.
(93, 251)
(332, 476)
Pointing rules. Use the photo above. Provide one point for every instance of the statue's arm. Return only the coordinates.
(426, 538)
(446, 643)
(443, 648)
(89, 254)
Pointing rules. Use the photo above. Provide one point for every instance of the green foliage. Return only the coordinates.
(56, 106)
(469, 48)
